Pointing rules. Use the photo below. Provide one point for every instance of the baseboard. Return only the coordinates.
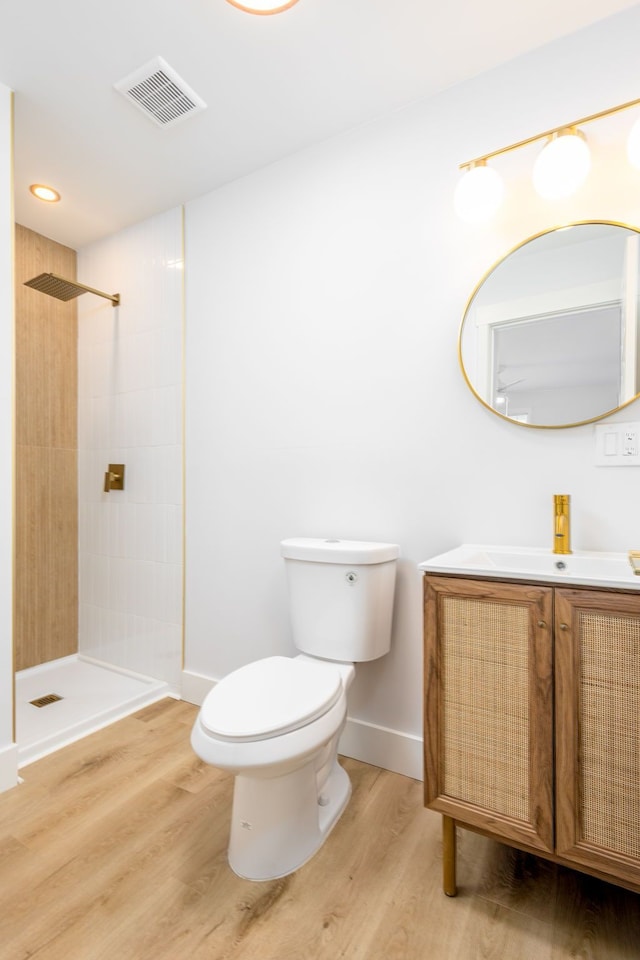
(392, 749)
(195, 687)
(8, 767)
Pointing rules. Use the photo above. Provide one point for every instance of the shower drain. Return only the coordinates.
(46, 700)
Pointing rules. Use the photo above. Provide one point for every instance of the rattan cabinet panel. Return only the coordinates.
(532, 720)
(598, 724)
(489, 714)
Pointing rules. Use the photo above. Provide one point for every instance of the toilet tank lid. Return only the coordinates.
(338, 551)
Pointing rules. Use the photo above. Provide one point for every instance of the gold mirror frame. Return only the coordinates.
(630, 230)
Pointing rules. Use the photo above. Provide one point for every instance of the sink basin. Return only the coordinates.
(582, 567)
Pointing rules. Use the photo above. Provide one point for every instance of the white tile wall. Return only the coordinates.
(130, 411)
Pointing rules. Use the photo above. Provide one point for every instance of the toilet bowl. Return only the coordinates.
(271, 714)
(275, 723)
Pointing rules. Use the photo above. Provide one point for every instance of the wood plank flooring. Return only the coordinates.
(115, 847)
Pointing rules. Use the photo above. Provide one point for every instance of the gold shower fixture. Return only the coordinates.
(61, 289)
(114, 477)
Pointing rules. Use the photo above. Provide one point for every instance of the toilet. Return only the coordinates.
(275, 723)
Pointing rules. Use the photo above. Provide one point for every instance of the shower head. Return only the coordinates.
(62, 289)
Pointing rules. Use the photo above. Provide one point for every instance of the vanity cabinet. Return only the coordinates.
(532, 720)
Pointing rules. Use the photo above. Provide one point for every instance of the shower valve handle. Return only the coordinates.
(114, 477)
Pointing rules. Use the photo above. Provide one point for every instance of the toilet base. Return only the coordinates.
(278, 824)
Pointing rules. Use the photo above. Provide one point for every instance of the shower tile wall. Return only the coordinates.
(130, 411)
(46, 530)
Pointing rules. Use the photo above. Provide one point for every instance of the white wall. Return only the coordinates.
(8, 750)
(130, 411)
(323, 395)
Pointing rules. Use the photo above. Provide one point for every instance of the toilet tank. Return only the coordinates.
(341, 596)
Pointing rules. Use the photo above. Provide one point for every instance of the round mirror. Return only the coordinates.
(550, 335)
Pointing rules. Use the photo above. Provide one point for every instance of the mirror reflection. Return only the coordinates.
(550, 336)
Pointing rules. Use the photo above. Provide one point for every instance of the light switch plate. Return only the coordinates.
(617, 444)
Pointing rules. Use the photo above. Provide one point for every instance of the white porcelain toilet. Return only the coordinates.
(275, 723)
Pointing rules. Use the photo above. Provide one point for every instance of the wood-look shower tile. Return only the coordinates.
(63, 375)
(45, 606)
(63, 521)
(46, 555)
(46, 337)
(36, 254)
(32, 318)
(33, 555)
(32, 375)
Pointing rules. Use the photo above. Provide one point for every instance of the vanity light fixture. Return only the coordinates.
(560, 169)
(262, 6)
(43, 192)
(562, 165)
(479, 193)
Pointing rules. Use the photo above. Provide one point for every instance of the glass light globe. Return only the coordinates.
(633, 145)
(561, 166)
(262, 6)
(478, 194)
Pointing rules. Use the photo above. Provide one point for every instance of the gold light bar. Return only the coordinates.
(549, 133)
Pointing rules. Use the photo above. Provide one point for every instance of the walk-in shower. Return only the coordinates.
(98, 595)
(62, 692)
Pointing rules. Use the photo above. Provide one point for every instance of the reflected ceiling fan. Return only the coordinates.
(503, 388)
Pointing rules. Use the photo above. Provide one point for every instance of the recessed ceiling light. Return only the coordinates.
(42, 192)
(262, 6)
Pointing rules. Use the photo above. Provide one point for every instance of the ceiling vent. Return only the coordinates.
(160, 93)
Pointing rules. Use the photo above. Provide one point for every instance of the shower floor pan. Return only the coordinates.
(80, 696)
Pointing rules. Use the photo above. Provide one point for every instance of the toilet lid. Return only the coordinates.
(271, 696)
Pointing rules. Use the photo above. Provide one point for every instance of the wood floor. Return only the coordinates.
(114, 848)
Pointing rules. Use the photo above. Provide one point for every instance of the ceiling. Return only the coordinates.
(272, 85)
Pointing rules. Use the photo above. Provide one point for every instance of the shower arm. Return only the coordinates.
(115, 297)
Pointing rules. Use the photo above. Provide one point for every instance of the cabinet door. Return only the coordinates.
(598, 730)
(489, 706)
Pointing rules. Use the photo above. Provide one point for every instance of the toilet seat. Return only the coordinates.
(270, 697)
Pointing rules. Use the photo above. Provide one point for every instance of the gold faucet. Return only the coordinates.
(561, 526)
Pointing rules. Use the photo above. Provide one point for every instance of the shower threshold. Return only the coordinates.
(90, 695)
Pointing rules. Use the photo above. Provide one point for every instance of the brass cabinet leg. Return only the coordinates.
(449, 856)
